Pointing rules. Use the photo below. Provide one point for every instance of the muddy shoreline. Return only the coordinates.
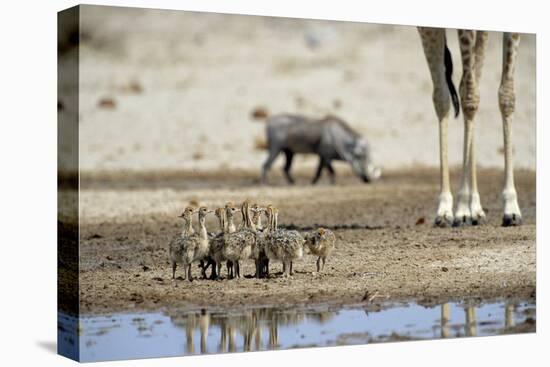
(393, 252)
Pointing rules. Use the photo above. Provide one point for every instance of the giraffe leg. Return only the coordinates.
(468, 94)
(476, 209)
(463, 214)
(506, 99)
(433, 42)
(469, 210)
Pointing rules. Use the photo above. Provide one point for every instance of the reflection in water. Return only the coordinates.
(239, 331)
(445, 318)
(470, 324)
(204, 322)
(173, 332)
(509, 315)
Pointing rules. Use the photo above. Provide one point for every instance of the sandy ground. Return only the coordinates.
(385, 243)
(167, 90)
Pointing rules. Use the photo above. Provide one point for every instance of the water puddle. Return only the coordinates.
(172, 333)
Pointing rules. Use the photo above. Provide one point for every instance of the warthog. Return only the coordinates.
(330, 138)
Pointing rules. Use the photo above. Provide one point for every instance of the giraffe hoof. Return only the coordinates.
(443, 221)
(479, 220)
(509, 220)
(462, 221)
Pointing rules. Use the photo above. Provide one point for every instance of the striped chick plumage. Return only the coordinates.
(282, 245)
(321, 243)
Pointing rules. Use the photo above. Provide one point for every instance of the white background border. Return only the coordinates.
(28, 133)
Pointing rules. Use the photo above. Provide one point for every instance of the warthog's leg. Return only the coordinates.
(288, 164)
(507, 99)
(328, 164)
(318, 172)
(273, 153)
(323, 163)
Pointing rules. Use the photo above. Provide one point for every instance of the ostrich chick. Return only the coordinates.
(174, 247)
(320, 243)
(195, 247)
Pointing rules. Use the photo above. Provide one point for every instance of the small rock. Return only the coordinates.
(259, 113)
(136, 297)
(107, 103)
(135, 87)
(444, 269)
(198, 156)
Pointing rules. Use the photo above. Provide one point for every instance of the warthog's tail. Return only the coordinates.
(449, 77)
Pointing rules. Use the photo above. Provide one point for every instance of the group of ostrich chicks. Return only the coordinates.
(251, 240)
